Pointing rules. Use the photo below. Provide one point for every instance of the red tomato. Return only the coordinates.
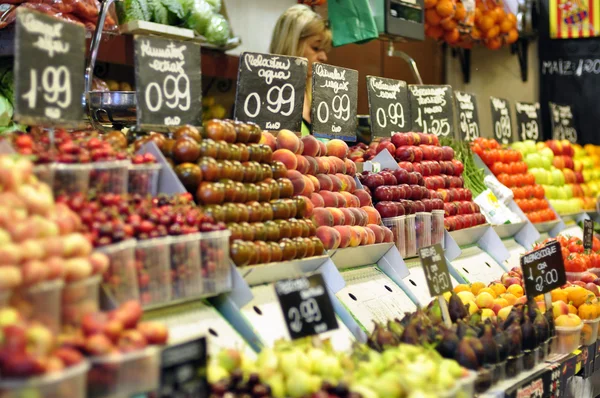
(595, 244)
(538, 191)
(575, 263)
(575, 245)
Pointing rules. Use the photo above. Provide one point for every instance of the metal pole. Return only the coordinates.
(411, 62)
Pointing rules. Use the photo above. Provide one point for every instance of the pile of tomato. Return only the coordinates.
(508, 167)
(574, 255)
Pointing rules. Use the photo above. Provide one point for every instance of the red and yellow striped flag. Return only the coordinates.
(574, 19)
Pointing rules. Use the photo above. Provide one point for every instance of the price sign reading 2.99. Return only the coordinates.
(334, 101)
(543, 269)
(431, 109)
(168, 83)
(389, 108)
(270, 90)
(49, 64)
(501, 120)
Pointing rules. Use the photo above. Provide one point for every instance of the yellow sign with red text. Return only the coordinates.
(574, 19)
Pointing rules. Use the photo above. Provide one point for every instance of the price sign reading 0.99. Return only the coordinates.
(306, 306)
(468, 118)
(49, 64)
(270, 90)
(431, 109)
(543, 269)
(389, 108)
(563, 123)
(528, 121)
(436, 269)
(334, 101)
(501, 120)
(168, 83)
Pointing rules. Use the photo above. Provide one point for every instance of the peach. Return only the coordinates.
(350, 183)
(300, 148)
(308, 204)
(317, 200)
(313, 165)
(343, 180)
(338, 216)
(350, 167)
(323, 148)
(569, 320)
(324, 165)
(338, 164)
(315, 182)
(311, 146)
(287, 140)
(309, 188)
(377, 231)
(363, 197)
(329, 236)
(329, 198)
(559, 308)
(341, 200)
(484, 300)
(361, 216)
(337, 148)
(373, 217)
(325, 182)
(355, 236)
(287, 157)
(297, 180)
(345, 235)
(370, 236)
(268, 139)
(487, 313)
(503, 313)
(322, 217)
(337, 183)
(351, 200)
(388, 236)
(364, 237)
(303, 164)
(348, 216)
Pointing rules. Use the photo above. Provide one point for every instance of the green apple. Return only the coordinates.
(550, 191)
(547, 153)
(529, 146)
(533, 160)
(568, 190)
(557, 177)
(541, 175)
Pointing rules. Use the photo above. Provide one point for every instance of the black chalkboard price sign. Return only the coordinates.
(436, 270)
(543, 269)
(306, 306)
(270, 90)
(468, 118)
(528, 121)
(168, 83)
(563, 122)
(49, 65)
(334, 101)
(588, 234)
(431, 109)
(183, 370)
(389, 108)
(501, 120)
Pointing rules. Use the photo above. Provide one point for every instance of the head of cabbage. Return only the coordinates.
(218, 31)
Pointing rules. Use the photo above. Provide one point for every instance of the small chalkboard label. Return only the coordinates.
(501, 120)
(543, 269)
(49, 65)
(563, 123)
(431, 109)
(588, 234)
(389, 108)
(334, 102)
(528, 121)
(306, 306)
(168, 83)
(183, 370)
(436, 269)
(270, 90)
(468, 117)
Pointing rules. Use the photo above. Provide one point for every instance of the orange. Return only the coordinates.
(559, 294)
(500, 14)
(448, 24)
(515, 290)
(461, 288)
(445, 8)
(512, 37)
(494, 32)
(476, 287)
(435, 32)
(432, 17)
(460, 13)
(506, 26)
(498, 288)
(489, 290)
(430, 3)
(493, 44)
(452, 36)
(511, 17)
(486, 23)
(510, 298)
(475, 33)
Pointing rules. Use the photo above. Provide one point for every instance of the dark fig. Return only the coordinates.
(515, 337)
(502, 342)
(410, 335)
(490, 347)
(477, 347)
(529, 336)
(456, 308)
(541, 327)
(465, 356)
(448, 344)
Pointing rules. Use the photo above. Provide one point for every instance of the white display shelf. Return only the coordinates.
(476, 265)
(351, 257)
(416, 283)
(515, 250)
(508, 230)
(273, 272)
(469, 236)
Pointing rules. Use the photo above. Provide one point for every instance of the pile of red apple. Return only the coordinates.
(323, 178)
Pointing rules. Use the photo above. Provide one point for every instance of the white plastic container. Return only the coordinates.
(186, 271)
(568, 337)
(71, 383)
(153, 265)
(109, 177)
(80, 298)
(120, 281)
(70, 179)
(214, 254)
(423, 229)
(467, 385)
(437, 227)
(589, 332)
(40, 303)
(124, 375)
(410, 235)
(396, 225)
(143, 178)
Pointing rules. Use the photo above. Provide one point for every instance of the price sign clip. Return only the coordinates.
(437, 276)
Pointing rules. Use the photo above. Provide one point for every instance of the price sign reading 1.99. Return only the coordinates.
(528, 121)
(270, 91)
(468, 118)
(543, 269)
(389, 108)
(334, 101)
(168, 83)
(431, 109)
(49, 65)
(501, 120)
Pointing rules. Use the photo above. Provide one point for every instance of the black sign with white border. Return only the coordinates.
(431, 109)
(183, 370)
(468, 117)
(529, 126)
(543, 269)
(436, 269)
(563, 123)
(389, 108)
(501, 120)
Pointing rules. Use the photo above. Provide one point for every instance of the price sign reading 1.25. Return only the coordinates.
(431, 109)
(389, 108)
(333, 109)
(543, 269)
(306, 306)
(528, 120)
(270, 90)
(168, 83)
(502, 123)
(49, 64)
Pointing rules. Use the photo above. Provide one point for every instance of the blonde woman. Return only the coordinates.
(301, 32)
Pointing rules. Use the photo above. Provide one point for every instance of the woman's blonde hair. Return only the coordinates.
(294, 26)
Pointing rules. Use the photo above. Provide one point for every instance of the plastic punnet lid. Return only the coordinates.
(48, 379)
(438, 211)
(111, 164)
(145, 166)
(569, 328)
(117, 247)
(153, 242)
(216, 234)
(124, 357)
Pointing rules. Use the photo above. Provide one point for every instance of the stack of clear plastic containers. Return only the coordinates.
(396, 225)
(143, 178)
(120, 281)
(40, 303)
(423, 228)
(589, 332)
(186, 266)
(569, 338)
(109, 177)
(45, 173)
(70, 382)
(70, 179)
(410, 234)
(214, 254)
(153, 265)
(437, 227)
(80, 298)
